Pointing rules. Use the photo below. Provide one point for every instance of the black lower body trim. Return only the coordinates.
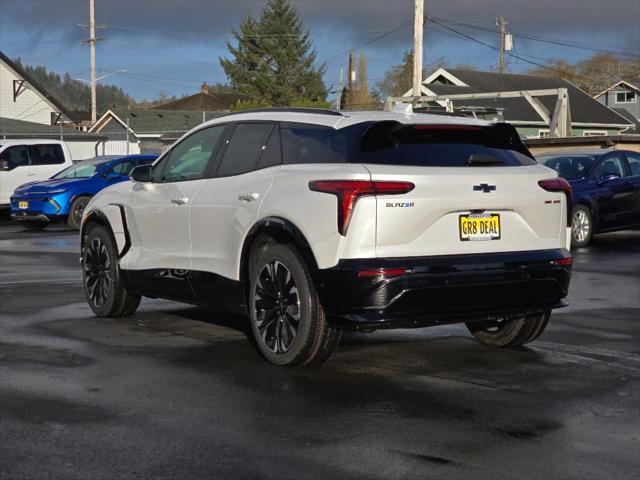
(443, 289)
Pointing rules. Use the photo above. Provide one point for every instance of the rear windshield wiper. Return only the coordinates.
(483, 161)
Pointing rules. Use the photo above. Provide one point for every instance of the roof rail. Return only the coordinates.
(317, 111)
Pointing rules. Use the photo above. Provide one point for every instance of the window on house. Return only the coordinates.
(626, 96)
(594, 133)
(543, 133)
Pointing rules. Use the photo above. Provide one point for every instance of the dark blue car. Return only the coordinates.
(63, 197)
(606, 190)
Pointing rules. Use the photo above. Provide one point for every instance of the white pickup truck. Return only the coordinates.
(23, 161)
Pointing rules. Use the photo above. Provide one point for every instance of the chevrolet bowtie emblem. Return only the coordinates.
(484, 187)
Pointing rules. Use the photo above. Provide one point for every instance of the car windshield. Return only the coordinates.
(86, 169)
(570, 167)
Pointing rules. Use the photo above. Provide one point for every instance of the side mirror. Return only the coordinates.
(142, 174)
(4, 165)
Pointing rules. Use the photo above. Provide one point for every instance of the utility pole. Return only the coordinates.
(350, 80)
(339, 99)
(92, 45)
(418, 31)
(501, 23)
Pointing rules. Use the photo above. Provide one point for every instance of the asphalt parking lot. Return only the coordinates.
(176, 392)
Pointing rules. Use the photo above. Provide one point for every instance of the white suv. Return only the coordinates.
(314, 221)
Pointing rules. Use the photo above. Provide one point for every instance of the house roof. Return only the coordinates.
(10, 128)
(154, 122)
(629, 116)
(35, 84)
(633, 84)
(584, 108)
(203, 101)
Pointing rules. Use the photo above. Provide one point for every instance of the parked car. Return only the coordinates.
(23, 161)
(63, 197)
(310, 222)
(606, 190)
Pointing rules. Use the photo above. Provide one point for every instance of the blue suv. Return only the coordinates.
(606, 190)
(64, 196)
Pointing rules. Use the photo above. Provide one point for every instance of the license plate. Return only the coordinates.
(479, 227)
(23, 205)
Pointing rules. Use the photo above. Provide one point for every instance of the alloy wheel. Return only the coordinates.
(581, 226)
(277, 307)
(97, 269)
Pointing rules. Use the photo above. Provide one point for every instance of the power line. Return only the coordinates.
(469, 37)
(337, 56)
(553, 41)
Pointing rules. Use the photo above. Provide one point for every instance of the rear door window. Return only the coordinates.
(610, 167)
(124, 168)
(14, 157)
(46, 154)
(633, 159)
(303, 143)
(247, 143)
(393, 143)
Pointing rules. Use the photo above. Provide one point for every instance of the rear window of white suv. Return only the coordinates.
(393, 143)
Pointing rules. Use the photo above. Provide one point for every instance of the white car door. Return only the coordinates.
(14, 170)
(227, 205)
(158, 211)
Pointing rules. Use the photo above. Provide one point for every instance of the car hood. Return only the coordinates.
(48, 185)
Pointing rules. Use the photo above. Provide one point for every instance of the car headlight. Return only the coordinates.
(55, 192)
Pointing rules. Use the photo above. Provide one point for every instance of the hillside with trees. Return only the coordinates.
(73, 94)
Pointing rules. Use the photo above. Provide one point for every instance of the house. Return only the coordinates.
(140, 131)
(204, 101)
(81, 145)
(588, 116)
(23, 98)
(624, 98)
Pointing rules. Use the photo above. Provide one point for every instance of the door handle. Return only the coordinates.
(180, 201)
(249, 197)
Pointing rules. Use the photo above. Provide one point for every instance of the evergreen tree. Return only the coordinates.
(273, 62)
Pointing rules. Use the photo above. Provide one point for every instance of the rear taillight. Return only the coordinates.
(348, 192)
(565, 262)
(559, 185)
(382, 272)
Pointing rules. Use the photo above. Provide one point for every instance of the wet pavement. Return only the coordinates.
(176, 392)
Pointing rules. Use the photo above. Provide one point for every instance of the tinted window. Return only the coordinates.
(245, 146)
(570, 167)
(46, 154)
(393, 143)
(611, 166)
(188, 160)
(272, 153)
(123, 168)
(634, 163)
(313, 144)
(14, 157)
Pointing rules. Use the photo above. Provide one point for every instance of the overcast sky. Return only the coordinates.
(173, 45)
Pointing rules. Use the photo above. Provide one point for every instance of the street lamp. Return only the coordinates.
(100, 78)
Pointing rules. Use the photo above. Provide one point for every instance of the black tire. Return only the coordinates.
(581, 226)
(35, 225)
(287, 320)
(510, 332)
(75, 212)
(102, 279)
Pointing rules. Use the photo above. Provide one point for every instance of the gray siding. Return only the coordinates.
(609, 99)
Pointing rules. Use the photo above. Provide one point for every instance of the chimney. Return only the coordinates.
(204, 88)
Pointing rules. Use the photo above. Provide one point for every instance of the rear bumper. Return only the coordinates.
(442, 289)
